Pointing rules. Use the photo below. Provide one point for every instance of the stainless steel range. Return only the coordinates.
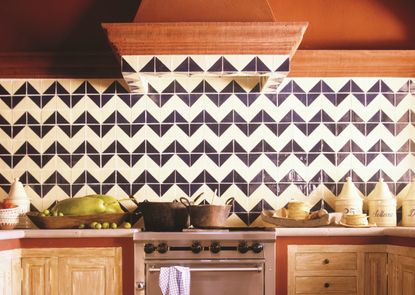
(220, 262)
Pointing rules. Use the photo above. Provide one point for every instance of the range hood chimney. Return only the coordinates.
(243, 47)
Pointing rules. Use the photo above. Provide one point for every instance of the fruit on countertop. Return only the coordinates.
(7, 204)
(88, 205)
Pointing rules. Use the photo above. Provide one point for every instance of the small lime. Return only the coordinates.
(60, 214)
(105, 225)
(46, 212)
(42, 214)
(92, 225)
(114, 225)
(127, 225)
(81, 226)
(98, 226)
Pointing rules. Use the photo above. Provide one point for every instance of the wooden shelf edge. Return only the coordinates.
(306, 63)
(353, 63)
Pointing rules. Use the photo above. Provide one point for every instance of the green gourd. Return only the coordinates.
(88, 205)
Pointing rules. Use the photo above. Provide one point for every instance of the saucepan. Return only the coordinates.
(207, 216)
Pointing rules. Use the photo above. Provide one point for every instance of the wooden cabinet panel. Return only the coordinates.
(10, 272)
(375, 273)
(67, 271)
(39, 275)
(5, 274)
(325, 285)
(86, 276)
(326, 261)
(401, 275)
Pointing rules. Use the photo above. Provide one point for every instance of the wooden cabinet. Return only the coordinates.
(351, 269)
(39, 275)
(375, 279)
(401, 270)
(71, 271)
(10, 272)
(325, 269)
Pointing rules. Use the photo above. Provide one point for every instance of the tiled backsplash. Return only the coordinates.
(70, 137)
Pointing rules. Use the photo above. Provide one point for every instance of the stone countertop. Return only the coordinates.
(66, 233)
(408, 232)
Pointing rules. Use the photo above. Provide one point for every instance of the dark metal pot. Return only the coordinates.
(164, 216)
(208, 216)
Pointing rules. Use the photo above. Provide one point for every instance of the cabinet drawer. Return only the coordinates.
(325, 285)
(325, 261)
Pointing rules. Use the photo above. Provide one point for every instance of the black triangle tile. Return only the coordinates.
(3, 91)
(16, 99)
(21, 90)
(375, 88)
(251, 66)
(228, 67)
(150, 67)
(160, 66)
(252, 187)
(238, 88)
(223, 158)
(194, 187)
(6, 100)
(193, 66)
(346, 87)
(228, 88)
(217, 66)
(126, 67)
(284, 67)
(183, 67)
(135, 158)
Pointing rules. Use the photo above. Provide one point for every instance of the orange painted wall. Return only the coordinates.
(203, 10)
(352, 24)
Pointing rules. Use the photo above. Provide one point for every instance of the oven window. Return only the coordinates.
(208, 278)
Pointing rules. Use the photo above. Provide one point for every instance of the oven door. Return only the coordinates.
(209, 277)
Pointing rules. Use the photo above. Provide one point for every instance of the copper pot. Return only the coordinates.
(208, 216)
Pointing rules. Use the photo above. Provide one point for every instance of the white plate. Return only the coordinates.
(357, 226)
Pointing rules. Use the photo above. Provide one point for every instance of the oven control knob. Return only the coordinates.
(149, 248)
(196, 247)
(243, 247)
(215, 247)
(257, 247)
(162, 248)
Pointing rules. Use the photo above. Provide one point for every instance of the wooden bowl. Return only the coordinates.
(65, 222)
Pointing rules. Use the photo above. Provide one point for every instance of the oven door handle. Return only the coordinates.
(217, 269)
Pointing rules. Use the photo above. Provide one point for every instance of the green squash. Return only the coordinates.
(88, 205)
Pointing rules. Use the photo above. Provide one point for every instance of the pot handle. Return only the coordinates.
(197, 197)
(185, 201)
(229, 201)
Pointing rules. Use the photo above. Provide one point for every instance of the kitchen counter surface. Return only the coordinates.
(66, 233)
(408, 232)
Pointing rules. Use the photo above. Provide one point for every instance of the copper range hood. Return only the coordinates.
(205, 48)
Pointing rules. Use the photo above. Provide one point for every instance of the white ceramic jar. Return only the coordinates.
(18, 196)
(382, 206)
(408, 206)
(349, 200)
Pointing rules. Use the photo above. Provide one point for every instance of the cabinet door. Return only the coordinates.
(375, 274)
(403, 278)
(87, 276)
(39, 275)
(6, 282)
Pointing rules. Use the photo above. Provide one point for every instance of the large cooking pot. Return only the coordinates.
(164, 216)
(208, 216)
